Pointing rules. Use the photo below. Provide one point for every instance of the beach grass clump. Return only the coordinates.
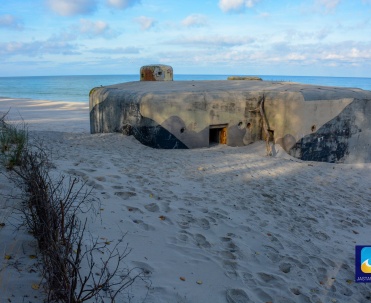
(13, 141)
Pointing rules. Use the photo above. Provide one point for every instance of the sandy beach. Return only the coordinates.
(219, 224)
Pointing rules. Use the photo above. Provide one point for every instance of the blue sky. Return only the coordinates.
(239, 37)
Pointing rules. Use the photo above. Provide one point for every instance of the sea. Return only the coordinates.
(77, 88)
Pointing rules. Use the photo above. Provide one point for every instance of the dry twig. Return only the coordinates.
(52, 210)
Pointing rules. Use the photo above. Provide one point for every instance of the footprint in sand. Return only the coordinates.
(204, 223)
(118, 187)
(266, 278)
(295, 291)
(226, 239)
(114, 177)
(183, 236)
(77, 173)
(249, 280)
(343, 290)
(217, 216)
(144, 267)
(100, 179)
(276, 242)
(125, 194)
(227, 255)
(201, 241)
(321, 274)
(143, 225)
(134, 209)
(285, 267)
(184, 224)
(272, 253)
(232, 247)
(212, 220)
(230, 267)
(153, 207)
(321, 236)
(94, 185)
(186, 221)
(88, 170)
(105, 195)
(237, 296)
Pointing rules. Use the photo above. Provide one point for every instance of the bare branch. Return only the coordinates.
(70, 259)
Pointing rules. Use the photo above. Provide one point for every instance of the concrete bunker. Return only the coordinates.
(310, 122)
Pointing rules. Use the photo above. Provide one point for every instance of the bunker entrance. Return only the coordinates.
(217, 134)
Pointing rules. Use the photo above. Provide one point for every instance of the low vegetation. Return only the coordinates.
(74, 270)
(13, 140)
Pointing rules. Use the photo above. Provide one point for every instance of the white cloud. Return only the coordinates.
(93, 29)
(117, 50)
(122, 4)
(85, 29)
(145, 22)
(295, 57)
(195, 20)
(295, 35)
(231, 5)
(343, 52)
(37, 48)
(236, 5)
(72, 7)
(291, 56)
(214, 41)
(10, 22)
(57, 47)
(251, 3)
(283, 55)
(329, 5)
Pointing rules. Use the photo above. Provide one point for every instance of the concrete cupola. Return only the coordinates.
(156, 72)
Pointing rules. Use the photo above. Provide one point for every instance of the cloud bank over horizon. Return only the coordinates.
(316, 37)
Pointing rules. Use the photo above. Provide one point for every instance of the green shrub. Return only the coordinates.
(13, 141)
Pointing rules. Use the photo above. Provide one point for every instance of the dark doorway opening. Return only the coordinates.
(218, 134)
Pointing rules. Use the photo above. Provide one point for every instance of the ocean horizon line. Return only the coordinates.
(188, 74)
(76, 88)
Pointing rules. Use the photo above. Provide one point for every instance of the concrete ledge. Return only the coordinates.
(244, 78)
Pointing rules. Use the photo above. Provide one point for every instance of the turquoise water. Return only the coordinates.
(76, 88)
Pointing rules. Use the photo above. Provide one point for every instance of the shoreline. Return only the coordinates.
(210, 225)
(47, 115)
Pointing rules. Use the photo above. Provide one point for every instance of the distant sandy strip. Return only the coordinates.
(219, 224)
(48, 115)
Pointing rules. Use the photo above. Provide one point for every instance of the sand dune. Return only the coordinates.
(219, 224)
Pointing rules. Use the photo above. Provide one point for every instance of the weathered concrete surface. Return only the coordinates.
(244, 78)
(317, 123)
(157, 72)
